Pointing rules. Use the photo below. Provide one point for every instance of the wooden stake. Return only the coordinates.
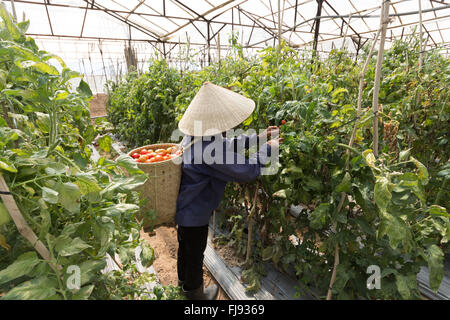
(250, 224)
(346, 31)
(421, 36)
(218, 47)
(420, 56)
(13, 6)
(279, 25)
(352, 140)
(22, 225)
(384, 20)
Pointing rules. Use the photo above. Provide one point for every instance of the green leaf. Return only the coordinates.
(90, 270)
(362, 197)
(346, 184)
(43, 122)
(118, 209)
(40, 66)
(84, 293)
(88, 186)
(105, 143)
(84, 89)
(405, 284)
(404, 155)
(267, 253)
(56, 168)
(338, 91)
(312, 183)
(410, 180)
(129, 164)
(35, 289)
(23, 26)
(438, 211)
(61, 95)
(66, 246)
(49, 195)
(396, 230)
(11, 27)
(125, 184)
(147, 255)
(69, 229)
(382, 193)
(280, 194)
(422, 171)
(435, 259)
(22, 266)
(319, 216)
(7, 166)
(69, 196)
(342, 277)
(369, 157)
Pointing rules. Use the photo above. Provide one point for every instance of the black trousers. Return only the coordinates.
(191, 246)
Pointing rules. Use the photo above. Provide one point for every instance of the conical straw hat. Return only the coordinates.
(214, 110)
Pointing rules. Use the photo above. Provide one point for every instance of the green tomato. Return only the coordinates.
(4, 215)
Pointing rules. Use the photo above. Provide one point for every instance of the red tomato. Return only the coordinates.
(283, 121)
(144, 151)
(135, 155)
(158, 157)
(151, 155)
(137, 160)
(143, 158)
(167, 157)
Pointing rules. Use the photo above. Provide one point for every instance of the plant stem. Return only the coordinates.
(34, 180)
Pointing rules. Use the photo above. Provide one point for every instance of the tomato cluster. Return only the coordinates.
(158, 155)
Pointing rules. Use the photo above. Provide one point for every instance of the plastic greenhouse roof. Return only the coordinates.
(87, 31)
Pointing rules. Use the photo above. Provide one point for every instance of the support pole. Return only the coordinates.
(218, 47)
(279, 25)
(22, 225)
(384, 20)
(350, 144)
(13, 6)
(421, 36)
(250, 223)
(346, 31)
(317, 26)
(208, 41)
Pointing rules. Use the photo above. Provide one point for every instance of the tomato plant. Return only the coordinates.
(394, 212)
(79, 209)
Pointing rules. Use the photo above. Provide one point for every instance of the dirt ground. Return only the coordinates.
(164, 242)
(98, 105)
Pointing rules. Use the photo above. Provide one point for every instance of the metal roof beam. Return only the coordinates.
(120, 18)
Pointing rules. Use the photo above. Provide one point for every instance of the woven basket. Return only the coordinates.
(161, 188)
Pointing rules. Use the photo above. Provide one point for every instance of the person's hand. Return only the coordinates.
(275, 143)
(272, 130)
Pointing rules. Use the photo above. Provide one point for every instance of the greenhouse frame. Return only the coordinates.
(92, 36)
(225, 150)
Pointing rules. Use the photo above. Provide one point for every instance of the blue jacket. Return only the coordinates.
(204, 178)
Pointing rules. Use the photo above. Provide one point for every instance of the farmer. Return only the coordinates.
(210, 160)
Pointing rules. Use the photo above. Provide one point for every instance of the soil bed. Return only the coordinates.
(164, 242)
